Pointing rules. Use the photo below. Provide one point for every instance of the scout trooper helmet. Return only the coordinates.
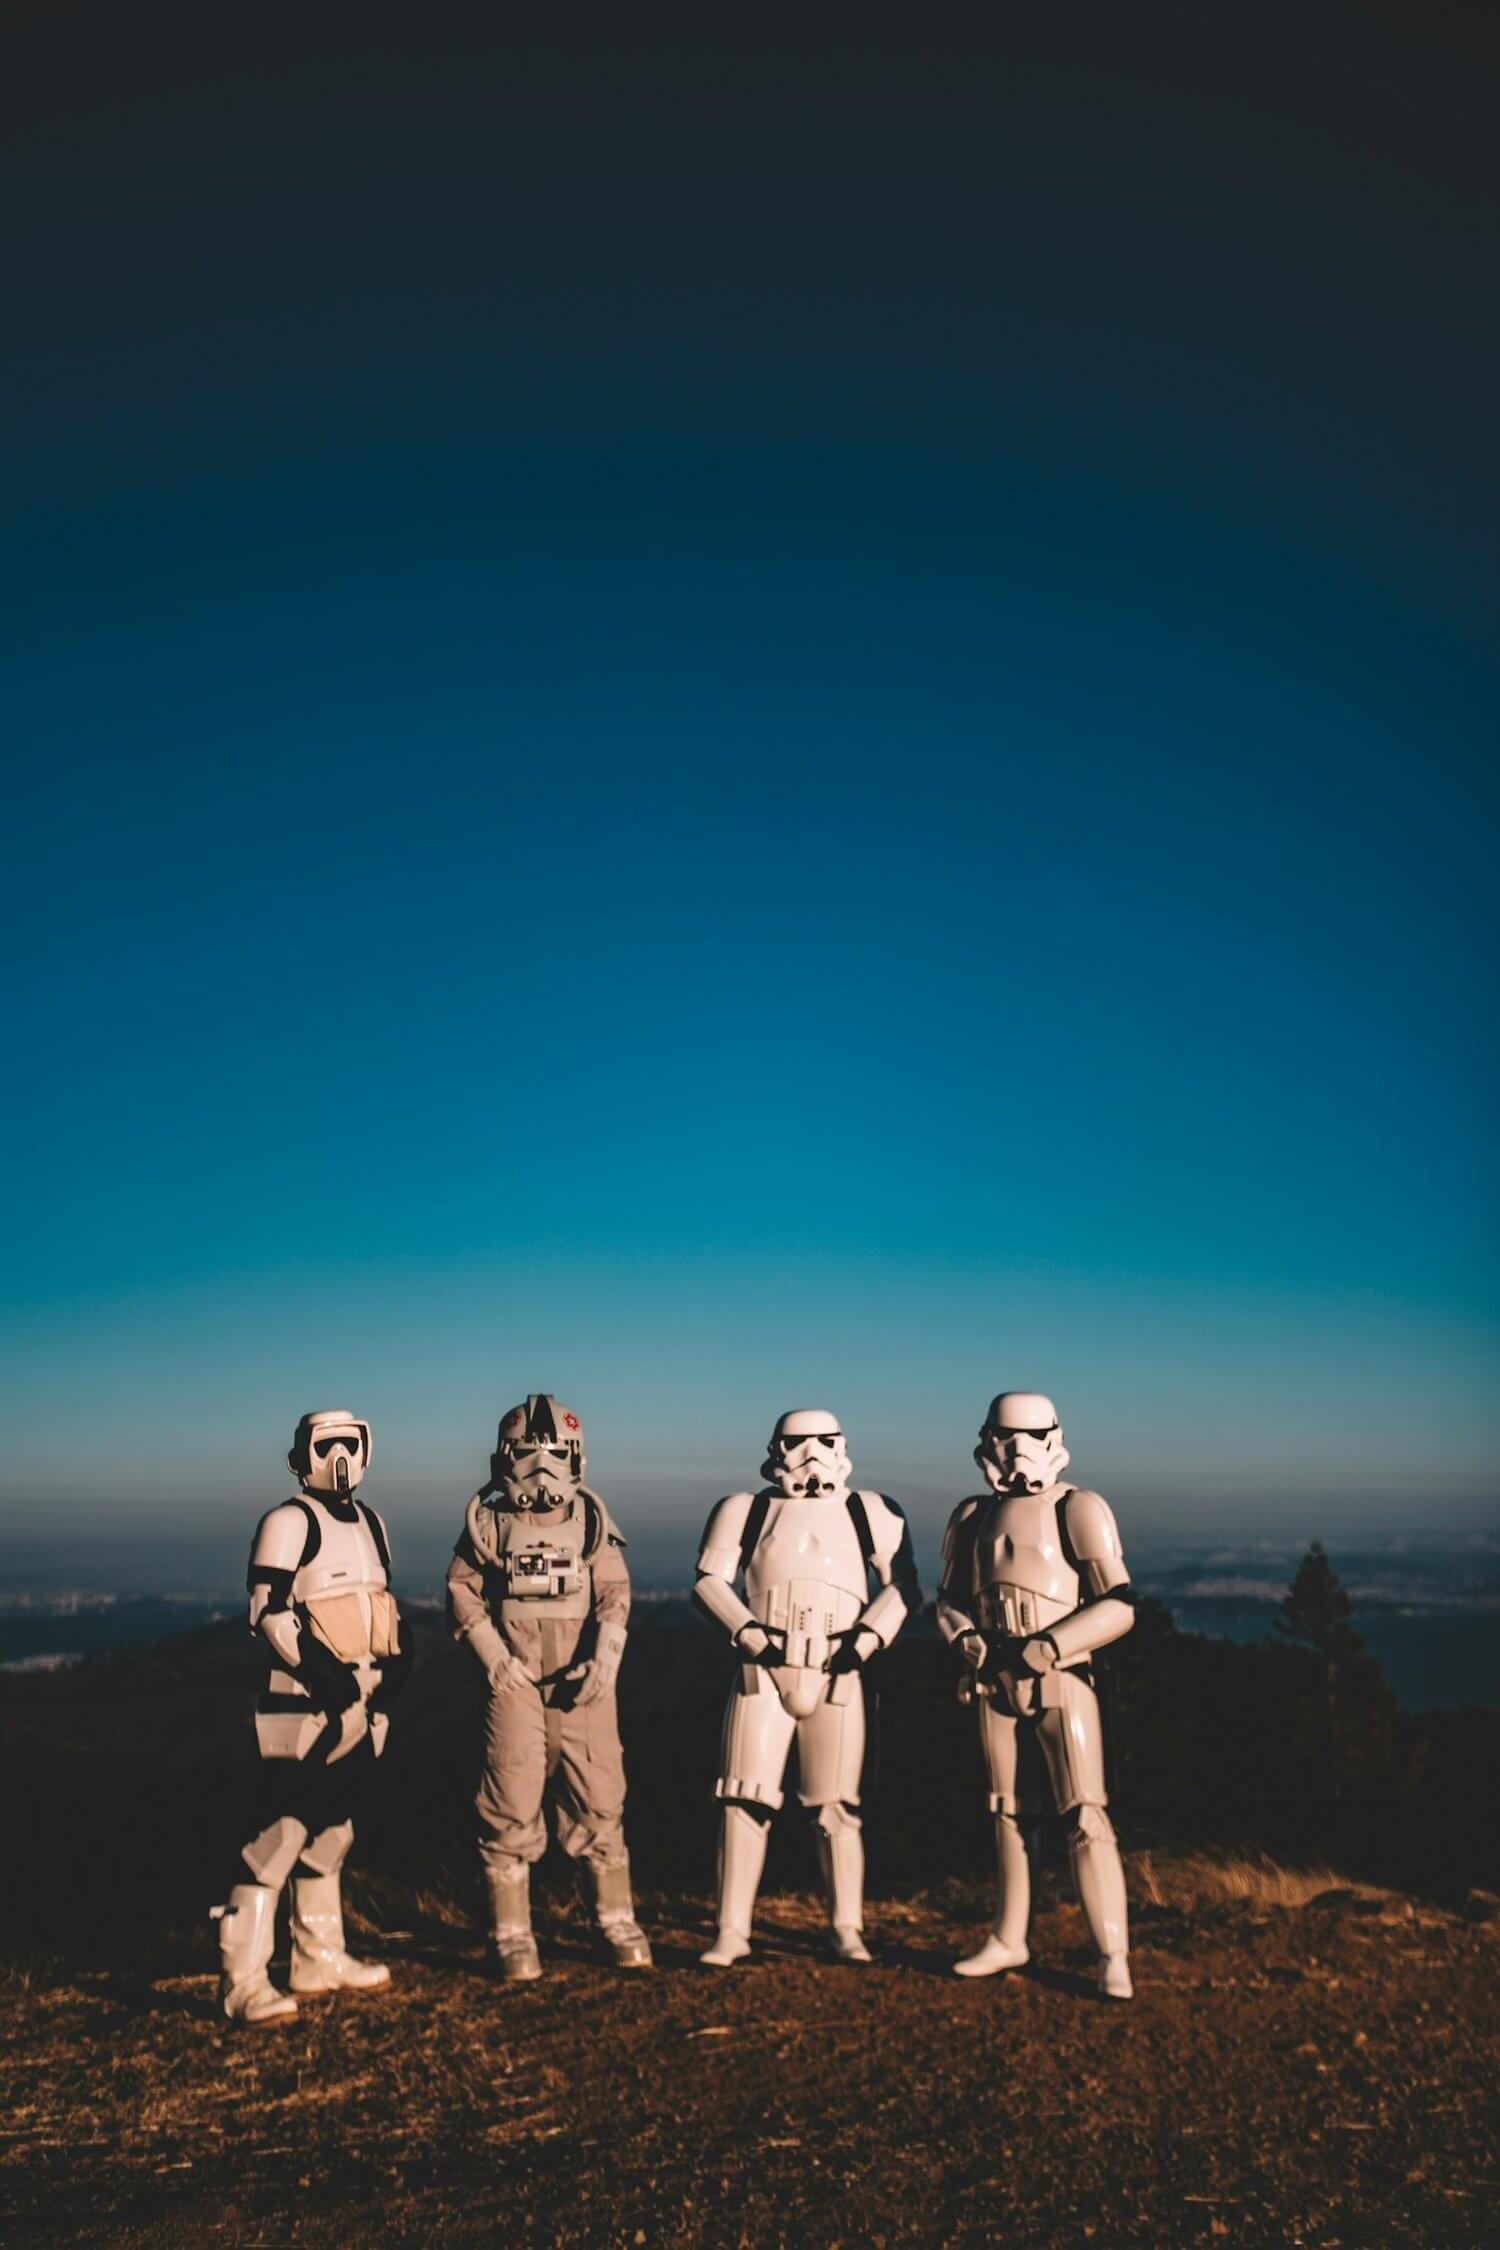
(538, 1457)
(807, 1454)
(330, 1451)
(1021, 1446)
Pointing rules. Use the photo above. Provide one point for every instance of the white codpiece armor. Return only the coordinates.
(807, 1548)
(1033, 1583)
(320, 1602)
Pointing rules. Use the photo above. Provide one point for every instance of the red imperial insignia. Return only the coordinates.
(571, 1420)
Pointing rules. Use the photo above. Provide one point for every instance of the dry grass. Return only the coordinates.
(792, 2101)
(1189, 1880)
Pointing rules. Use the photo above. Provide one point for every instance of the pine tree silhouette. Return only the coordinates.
(1359, 1718)
(1315, 1609)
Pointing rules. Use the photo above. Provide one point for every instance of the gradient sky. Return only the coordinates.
(724, 728)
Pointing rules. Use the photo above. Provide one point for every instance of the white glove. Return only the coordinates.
(503, 1668)
(597, 1677)
(972, 1649)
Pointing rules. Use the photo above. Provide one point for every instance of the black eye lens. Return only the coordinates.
(323, 1446)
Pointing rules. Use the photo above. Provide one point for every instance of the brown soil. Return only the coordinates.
(1320, 2074)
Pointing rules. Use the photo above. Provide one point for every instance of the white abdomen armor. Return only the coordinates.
(807, 1577)
(1023, 1581)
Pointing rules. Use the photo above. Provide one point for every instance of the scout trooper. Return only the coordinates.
(321, 1605)
(1033, 1583)
(808, 1548)
(539, 1590)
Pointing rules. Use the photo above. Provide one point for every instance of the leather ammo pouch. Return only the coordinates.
(338, 1621)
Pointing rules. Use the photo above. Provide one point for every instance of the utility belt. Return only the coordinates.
(1014, 1612)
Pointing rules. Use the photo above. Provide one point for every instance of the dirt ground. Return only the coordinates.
(1320, 2075)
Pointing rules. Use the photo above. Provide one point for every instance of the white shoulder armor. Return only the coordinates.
(887, 1528)
(962, 1516)
(280, 1538)
(724, 1535)
(1094, 1538)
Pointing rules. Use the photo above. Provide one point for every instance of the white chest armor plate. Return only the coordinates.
(807, 1575)
(1023, 1581)
(347, 1561)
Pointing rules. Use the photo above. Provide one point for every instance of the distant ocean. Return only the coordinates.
(1432, 1622)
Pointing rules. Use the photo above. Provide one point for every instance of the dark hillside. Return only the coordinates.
(1308, 2059)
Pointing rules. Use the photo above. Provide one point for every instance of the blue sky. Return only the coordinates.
(902, 809)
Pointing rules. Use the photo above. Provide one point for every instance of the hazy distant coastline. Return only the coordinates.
(1434, 1625)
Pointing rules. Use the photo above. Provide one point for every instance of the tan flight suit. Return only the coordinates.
(533, 1735)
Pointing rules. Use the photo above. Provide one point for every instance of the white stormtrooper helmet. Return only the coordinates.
(1021, 1446)
(330, 1451)
(807, 1453)
(538, 1458)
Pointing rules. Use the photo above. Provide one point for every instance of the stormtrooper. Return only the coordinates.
(337, 1656)
(538, 1590)
(807, 1548)
(1033, 1583)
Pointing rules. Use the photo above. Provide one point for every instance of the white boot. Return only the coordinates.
(513, 1952)
(319, 1962)
(247, 1934)
(841, 1856)
(742, 1860)
(1100, 1880)
(614, 1911)
(1005, 1947)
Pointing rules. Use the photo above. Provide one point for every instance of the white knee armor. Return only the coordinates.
(807, 1548)
(1033, 1583)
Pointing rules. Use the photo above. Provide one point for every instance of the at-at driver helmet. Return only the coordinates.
(538, 1459)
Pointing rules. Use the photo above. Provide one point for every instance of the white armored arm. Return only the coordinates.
(1094, 1626)
(1108, 1608)
(719, 1563)
(894, 1565)
(275, 1557)
(955, 1617)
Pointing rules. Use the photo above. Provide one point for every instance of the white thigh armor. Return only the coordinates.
(340, 1595)
(1066, 1712)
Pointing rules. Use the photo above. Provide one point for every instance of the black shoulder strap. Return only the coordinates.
(377, 1533)
(755, 1524)
(859, 1516)
(314, 1539)
(1063, 1540)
